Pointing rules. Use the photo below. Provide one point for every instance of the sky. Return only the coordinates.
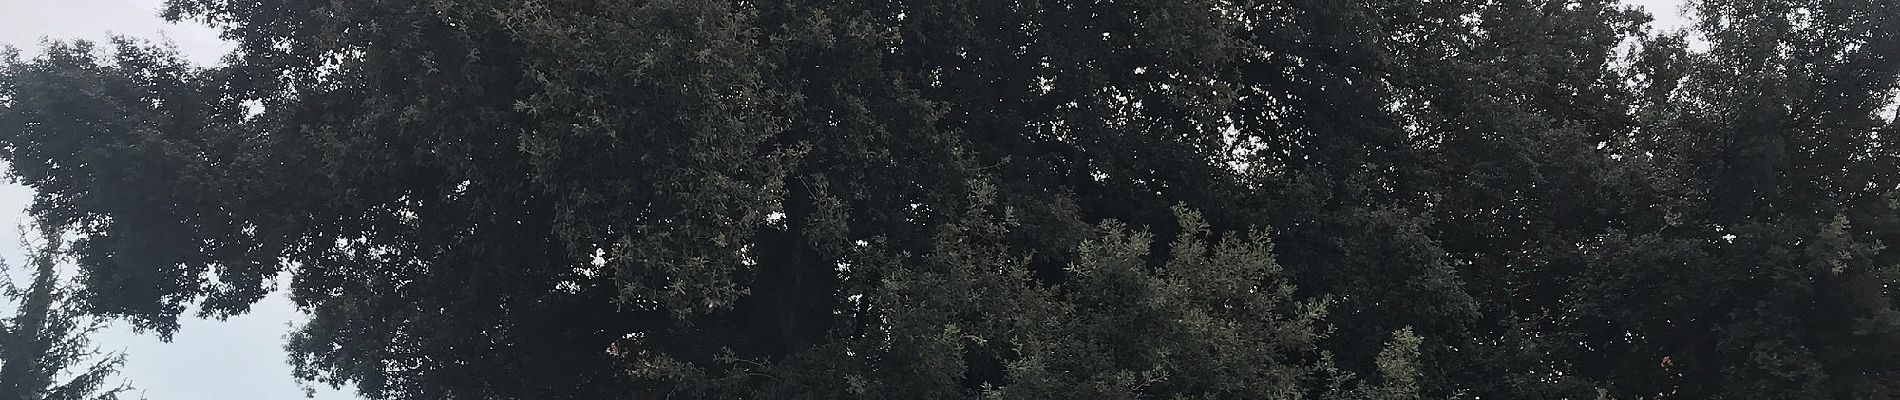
(1668, 13)
(241, 358)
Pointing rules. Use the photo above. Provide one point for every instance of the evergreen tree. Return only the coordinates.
(46, 351)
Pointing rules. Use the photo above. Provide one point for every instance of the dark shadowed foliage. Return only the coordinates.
(1111, 199)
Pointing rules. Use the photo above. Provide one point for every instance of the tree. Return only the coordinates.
(1037, 198)
(1762, 272)
(46, 352)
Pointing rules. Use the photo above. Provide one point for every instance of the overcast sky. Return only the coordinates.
(241, 358)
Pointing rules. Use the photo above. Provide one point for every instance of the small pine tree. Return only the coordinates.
(49, 338)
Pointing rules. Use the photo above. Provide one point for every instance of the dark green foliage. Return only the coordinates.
(1020, 199)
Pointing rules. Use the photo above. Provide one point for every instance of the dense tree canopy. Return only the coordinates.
(1366, 199)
